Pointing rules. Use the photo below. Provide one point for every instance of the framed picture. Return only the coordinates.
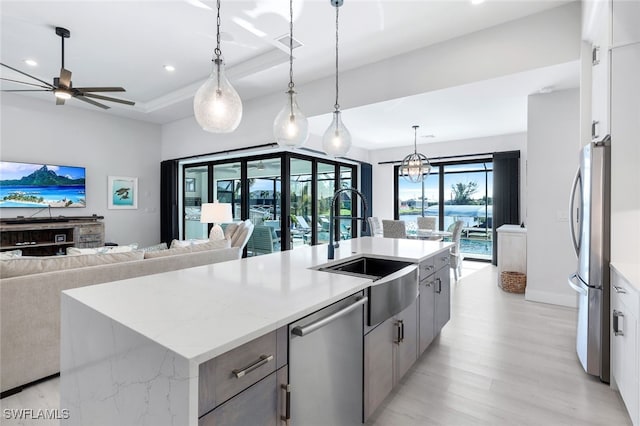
(60, 238)
(122, 192)
(190, 185)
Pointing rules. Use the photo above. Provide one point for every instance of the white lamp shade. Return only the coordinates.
(216, 213)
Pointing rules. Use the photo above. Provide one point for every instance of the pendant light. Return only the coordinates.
(291, 127)
(217, 105)
(337, 139)
(415, 167)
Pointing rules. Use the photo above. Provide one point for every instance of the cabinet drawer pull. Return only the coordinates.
(439, 288)
(619, 290)
(617, 331)
(249, 368)
(287, 409)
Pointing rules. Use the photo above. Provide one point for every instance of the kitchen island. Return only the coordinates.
(133, 350)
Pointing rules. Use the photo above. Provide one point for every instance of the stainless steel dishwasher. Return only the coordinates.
(325, 365)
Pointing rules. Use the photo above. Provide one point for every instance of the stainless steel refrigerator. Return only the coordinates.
(590, 218)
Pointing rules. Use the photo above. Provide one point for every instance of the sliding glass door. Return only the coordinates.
(287, 196)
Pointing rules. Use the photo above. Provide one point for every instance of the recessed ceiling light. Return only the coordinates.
(477, 1)
(31, 62)
(169, 68)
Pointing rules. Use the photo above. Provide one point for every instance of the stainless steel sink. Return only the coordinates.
(395, 284)
(369, 266)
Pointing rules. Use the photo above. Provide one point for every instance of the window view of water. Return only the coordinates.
(453, 192)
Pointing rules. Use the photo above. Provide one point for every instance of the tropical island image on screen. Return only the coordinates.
(41, 185)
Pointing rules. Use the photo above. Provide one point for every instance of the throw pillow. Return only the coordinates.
(187, 243)
(12, 254)
(209, 245)
(230, 229)
(74, 251)
(155, 247)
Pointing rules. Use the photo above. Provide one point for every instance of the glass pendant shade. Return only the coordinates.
(336, 141)
(217, 105)
(291, 127)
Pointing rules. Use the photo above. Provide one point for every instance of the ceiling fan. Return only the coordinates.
(62, 87)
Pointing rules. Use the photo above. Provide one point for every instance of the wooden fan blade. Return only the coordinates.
(65, 78)
(84, 99)
(28, 75)
(100, 89)
(26, 90)
(59, 101)
(107, 98)
(24, 82)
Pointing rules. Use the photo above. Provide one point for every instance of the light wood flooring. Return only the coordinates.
(499, 361)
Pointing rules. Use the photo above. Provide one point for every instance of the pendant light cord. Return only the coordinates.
(337, 105)
(415, 139)
(290, 44)
(218, 52)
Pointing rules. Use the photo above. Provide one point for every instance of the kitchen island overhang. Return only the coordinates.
(133, 347)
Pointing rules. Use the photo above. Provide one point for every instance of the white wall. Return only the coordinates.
(35, 131)
(553, 145)
(383, 177)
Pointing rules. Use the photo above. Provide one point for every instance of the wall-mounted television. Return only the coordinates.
(41, 185)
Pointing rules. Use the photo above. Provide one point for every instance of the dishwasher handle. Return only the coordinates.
(303, 331)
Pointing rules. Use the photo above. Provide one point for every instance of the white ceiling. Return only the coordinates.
(127, 43)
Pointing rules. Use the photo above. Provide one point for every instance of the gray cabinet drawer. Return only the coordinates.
(229, 374)
(261, 404)
(441, 260)
(426, 268)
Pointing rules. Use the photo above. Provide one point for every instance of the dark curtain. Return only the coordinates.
(366, 187)
(169, 216)
(506, 193)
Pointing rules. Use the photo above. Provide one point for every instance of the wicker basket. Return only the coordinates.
(513, 282)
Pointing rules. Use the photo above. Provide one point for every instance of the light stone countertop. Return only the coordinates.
(200, 313)
(630, 272)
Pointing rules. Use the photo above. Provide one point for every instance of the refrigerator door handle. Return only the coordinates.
(576, 242)
(575, 286)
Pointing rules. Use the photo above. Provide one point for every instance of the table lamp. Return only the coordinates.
(216, 213)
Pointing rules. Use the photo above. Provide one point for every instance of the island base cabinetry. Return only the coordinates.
(247, 385)
(264, 403)
(625, 356)
(390, 350)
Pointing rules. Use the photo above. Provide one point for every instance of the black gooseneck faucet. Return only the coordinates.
(332, 218)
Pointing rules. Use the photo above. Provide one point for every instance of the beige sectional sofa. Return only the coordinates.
(30, 304)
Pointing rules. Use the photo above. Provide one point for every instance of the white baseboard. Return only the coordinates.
(570, 301)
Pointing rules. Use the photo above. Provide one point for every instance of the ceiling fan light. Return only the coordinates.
(62, 94)
(217, 106)
(291, 127)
